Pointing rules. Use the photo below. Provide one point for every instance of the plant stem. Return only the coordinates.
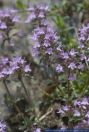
(68, 87)
(4, 82)
(25, 90)
(70, 125)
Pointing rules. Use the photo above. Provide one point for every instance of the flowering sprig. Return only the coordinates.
(45, 38)
(8, 21)
(8, 18)
(43, 35)
(9, 66)
(79, 112)
(46, 44)
(83, 36)
(36, 13)
(70, 60)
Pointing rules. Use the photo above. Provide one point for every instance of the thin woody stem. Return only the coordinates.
(4, 82)
(25, 89)
(21, 80)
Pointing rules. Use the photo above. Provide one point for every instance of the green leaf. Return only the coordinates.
(60, 22)
(86, 4)
(20, 5)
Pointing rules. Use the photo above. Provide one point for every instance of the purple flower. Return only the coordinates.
(3, 25)
(64, 55)
(31, 17)
(49, 51)
(66, 108)
(46, 43)
(36, 13)
(77, 113)
(72, 77)
(77, 103)
(4, 60)
(80, 66)
(59, 68)
(44, 22)
(43, 35)
(1, 75)
(37, 130)
(43, 7)
(13, 67)
(2, 126)
(7, 71)
(81, 46)
(72, 66)
(27, 68)
(41, 15)
(72, 53)
(39, 31)
(16, 19)
(35, 37)
(47, 36)
(84, 101)
(83, 57)
(84, 33)
(35, 51)
(18, 59)
(83, 124)
(10, 65)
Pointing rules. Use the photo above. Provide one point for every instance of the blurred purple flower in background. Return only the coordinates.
(3, 126)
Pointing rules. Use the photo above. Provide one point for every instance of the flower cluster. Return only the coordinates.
(69, 61)
(75, 59)
(43, 34)
(83, 38)
(8, 17)
(46, 44)
(9, 66)
(36, 13)
(78, 110)
(44, 38)
(8, 20)
(83, 35)
(3, 126)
